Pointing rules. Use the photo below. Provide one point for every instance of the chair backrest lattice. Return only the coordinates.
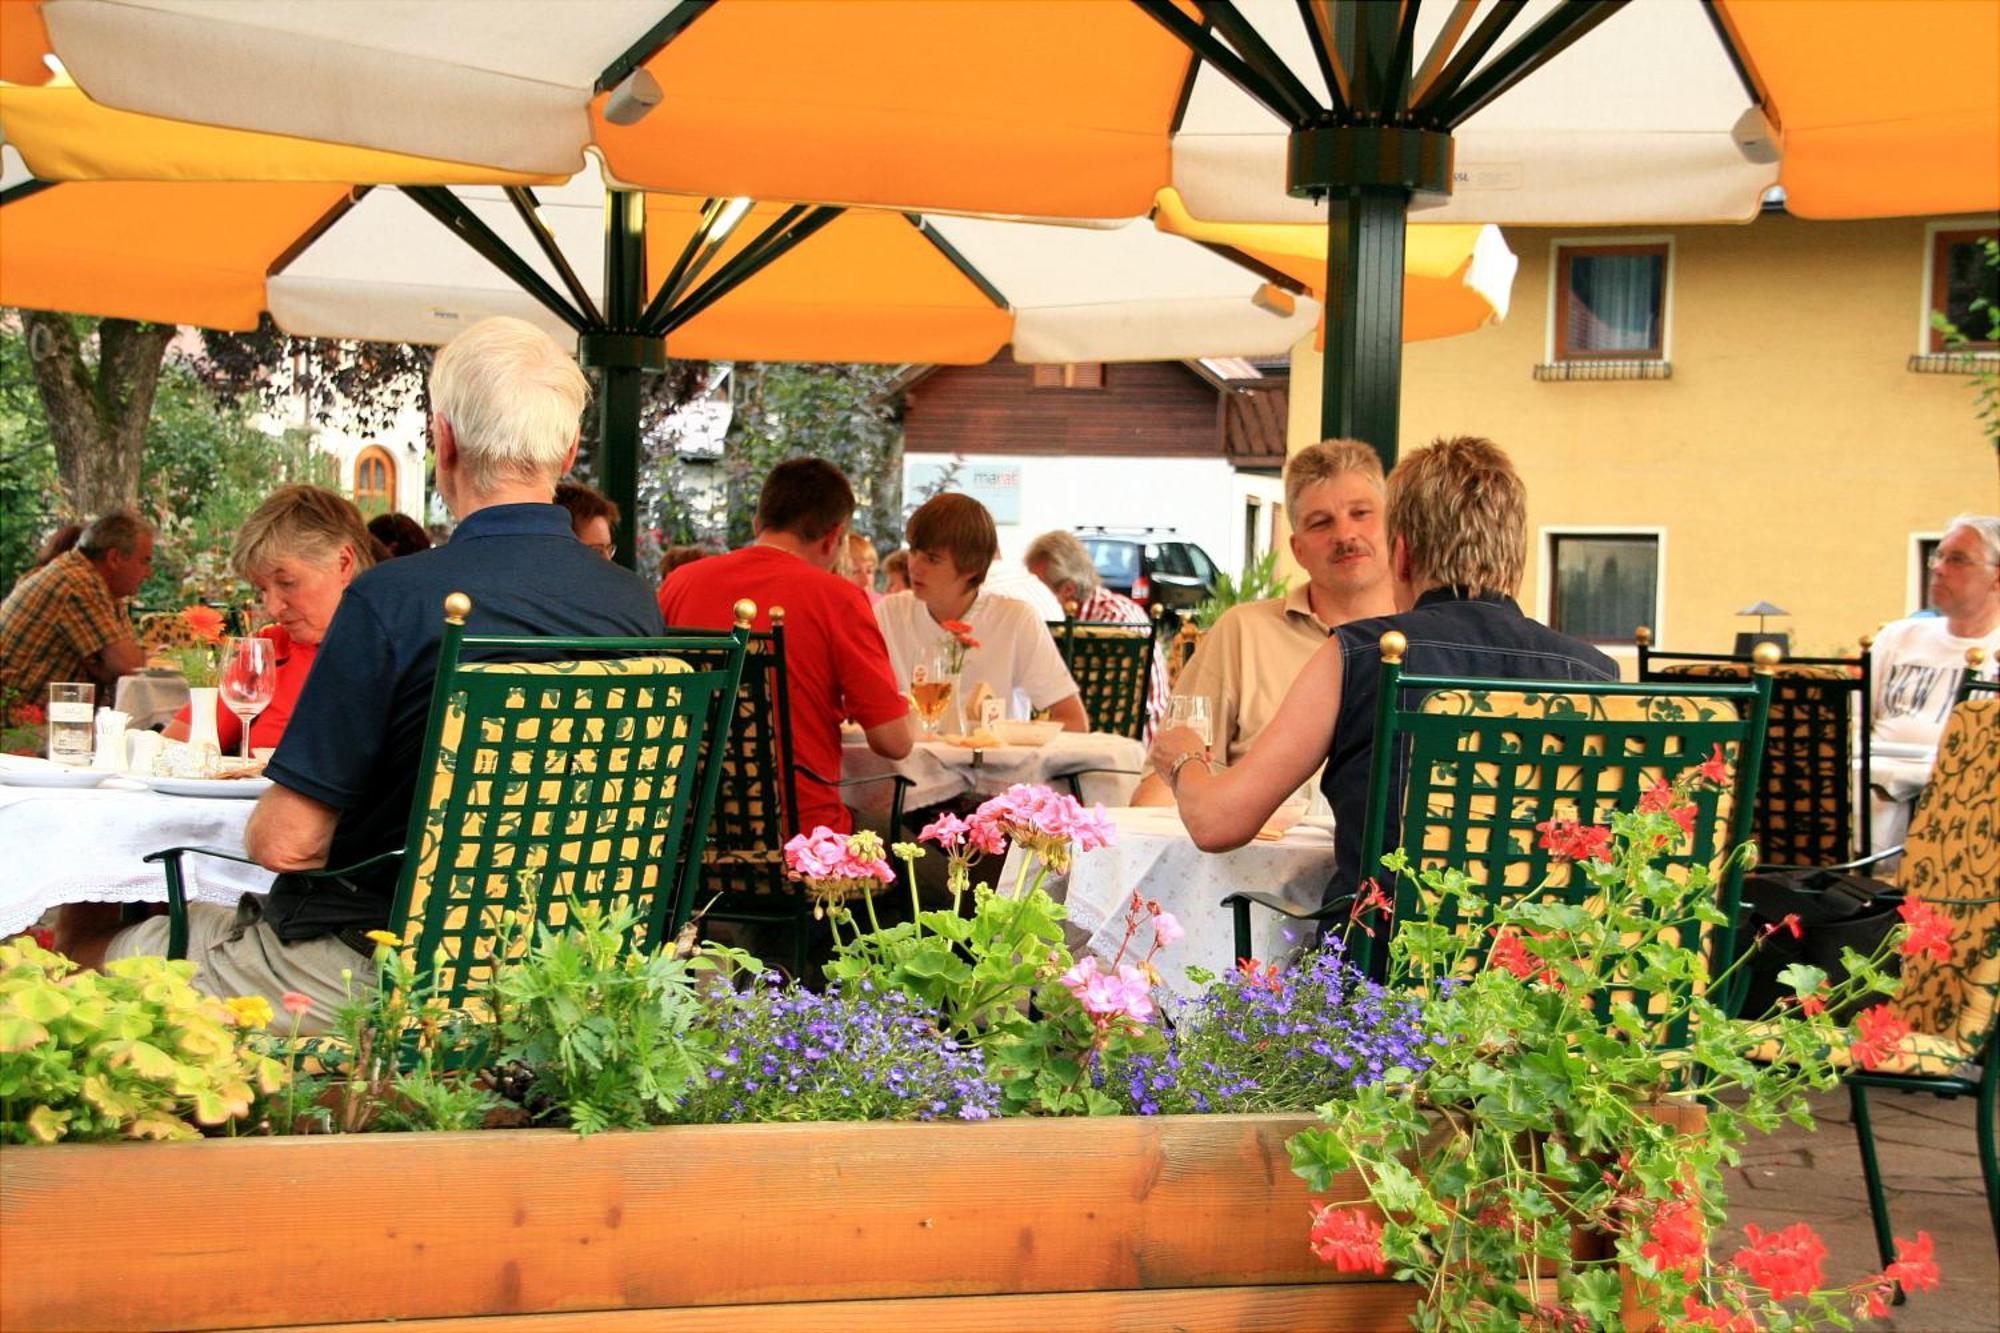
(1182, 647)
(757, 798)
(1479, 763)
(1951, 861)
(1112, 664)
(552, 783)
(1807, 811)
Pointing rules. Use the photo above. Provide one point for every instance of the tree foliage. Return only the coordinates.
(1986, 383)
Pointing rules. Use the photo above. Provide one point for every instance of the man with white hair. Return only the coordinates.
(505, 403)
(1062, 565)
(1917, 665)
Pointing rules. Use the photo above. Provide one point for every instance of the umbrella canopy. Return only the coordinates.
(1874, 107)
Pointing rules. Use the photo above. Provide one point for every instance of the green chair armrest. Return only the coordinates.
(1239, 908)
(169, 859)
(1859, 863)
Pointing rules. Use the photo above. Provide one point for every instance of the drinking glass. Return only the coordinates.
(1191, 711)
(249, 680)
(932, 688)
(72, 705)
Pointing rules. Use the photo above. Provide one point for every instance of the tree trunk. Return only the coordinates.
(97, 418)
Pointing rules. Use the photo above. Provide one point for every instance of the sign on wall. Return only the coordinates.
(995, 483)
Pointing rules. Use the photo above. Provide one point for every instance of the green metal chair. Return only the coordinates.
(583, 779)
(1810, 810)
(1478, 763)
(1951, 861)
(1112, 662)
(743, 866)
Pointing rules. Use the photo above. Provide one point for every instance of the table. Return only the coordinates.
(68, 845)
(939, 771)
(1155, 856)
(151, 698)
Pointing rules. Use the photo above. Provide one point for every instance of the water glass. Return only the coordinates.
(1191, 711)
(72, 705)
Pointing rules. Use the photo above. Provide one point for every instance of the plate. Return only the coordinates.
(212, 788)
(53, 776)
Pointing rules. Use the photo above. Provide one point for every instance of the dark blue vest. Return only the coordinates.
(1450, 634)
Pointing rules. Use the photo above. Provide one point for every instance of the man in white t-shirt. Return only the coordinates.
(952, 544)
(1918, 664)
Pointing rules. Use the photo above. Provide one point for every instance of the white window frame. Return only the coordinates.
(1919, 577)
(1545, 591)
(1550, 342)
(1931, 230)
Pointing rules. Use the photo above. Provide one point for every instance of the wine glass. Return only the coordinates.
(1191, 711)
(249, 681)
(932, 686)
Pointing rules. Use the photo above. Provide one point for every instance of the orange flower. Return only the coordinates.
(205, 621)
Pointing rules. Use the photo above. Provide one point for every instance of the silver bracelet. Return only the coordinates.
(1181, 760)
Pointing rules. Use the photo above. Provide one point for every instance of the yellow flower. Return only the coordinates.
(249, 1011)
(386, 938)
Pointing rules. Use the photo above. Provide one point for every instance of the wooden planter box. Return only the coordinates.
(1191, 1222)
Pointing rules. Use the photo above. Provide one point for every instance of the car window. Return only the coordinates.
(1204, 568)
(1173, 559)
(1117, 562)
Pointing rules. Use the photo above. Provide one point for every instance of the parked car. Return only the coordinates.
(1151, 566)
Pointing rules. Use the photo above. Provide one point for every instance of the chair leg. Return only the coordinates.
(1989, 1150)
(1240, 910)
(1871, 1172)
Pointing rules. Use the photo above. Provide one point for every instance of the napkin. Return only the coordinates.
(110, 754)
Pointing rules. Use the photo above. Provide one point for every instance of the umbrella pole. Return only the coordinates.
(623, 355)
(1362, 361)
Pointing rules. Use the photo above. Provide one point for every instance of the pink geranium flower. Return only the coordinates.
(834, 865)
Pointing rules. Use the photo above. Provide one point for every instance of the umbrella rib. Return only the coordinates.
(1723, 34)
(652, 43)
(684, 274)
(15, 193)
(1257, 53)
(1232, 67)
(303, 241)
(524, 204)
(958, 260)
(1461, 15)
(1535, 48)
(1399, 59)
(754, 258)
(1470, 53)
(456, 218)
(1319, 26)
(711, 209)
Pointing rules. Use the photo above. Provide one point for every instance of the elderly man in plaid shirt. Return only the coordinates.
(1059, 561)
(62, 622)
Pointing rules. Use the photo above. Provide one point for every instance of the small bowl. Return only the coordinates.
(1027, 733)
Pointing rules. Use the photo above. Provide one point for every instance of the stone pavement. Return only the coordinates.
(1930, 1163)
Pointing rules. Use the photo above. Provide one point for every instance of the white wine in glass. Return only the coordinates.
(1191, 711)
(249, 680)
(932, 689)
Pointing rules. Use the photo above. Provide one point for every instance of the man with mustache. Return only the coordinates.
(1252, 654)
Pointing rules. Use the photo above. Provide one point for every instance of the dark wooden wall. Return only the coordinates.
(1153, 409)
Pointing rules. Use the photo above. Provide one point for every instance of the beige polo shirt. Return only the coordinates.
(1246, 663)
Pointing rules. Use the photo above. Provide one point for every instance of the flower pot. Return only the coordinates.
(1008, 1224)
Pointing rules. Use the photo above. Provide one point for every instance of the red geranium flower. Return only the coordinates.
(1914, 1269)
(1811, 1003)
(1676, 1239)
(1785, 1263)
(1662, 799)
(1367, 903)
(1878, 1033)
(1566, 839)
(1715, 768)
(30, 715)
(1717, 1316)
(1348, 1239)
(1930, 931)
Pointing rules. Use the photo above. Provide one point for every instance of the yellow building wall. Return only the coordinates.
(1792, 457)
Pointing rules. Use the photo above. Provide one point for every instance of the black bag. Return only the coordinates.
(1835, 910)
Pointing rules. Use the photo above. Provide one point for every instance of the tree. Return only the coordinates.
(1986, 381)
(96, 405)
(842, 413)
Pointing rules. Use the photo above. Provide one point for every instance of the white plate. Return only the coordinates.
(213, 788)
(53, 776)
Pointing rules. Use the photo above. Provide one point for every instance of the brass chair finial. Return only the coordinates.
(1643, 636)
(1867, 642)
(1975, 657)
(746, 611)
(1394, 645)
(457, 606)
(777, 616)
(1766, 657)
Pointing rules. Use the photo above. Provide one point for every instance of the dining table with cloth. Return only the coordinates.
(940, 771)
(88, 844)
(1154, 857)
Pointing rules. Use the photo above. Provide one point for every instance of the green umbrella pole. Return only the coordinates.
(624, 355)
(1362, 364)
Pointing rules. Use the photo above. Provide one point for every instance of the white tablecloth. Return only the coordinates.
(1155, 857)
(151, 698)
(67, 845)
(941, 772)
